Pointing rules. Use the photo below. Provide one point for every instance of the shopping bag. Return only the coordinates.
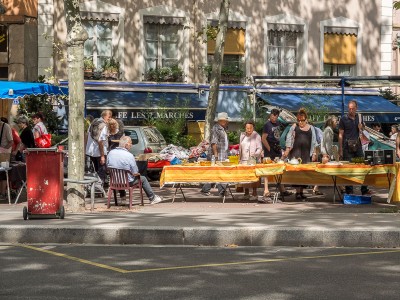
(43, 141)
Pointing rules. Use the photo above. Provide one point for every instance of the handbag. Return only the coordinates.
(44, 140)
(353, 145)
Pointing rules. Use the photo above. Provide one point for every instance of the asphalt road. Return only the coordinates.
(141, 272)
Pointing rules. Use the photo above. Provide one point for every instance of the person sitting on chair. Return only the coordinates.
(121, 158)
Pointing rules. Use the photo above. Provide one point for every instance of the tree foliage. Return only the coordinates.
(40, 103)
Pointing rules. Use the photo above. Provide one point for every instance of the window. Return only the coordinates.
(99, 45)
(3, 72)
(133, 135)
(283, 52)
(3, 38)
(234, 54)
(340, 51)
(162, 43)
(338, 70)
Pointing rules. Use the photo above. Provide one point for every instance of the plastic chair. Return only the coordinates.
(119, 181)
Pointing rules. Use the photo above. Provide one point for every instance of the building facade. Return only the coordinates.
(18, 40)
(294, 38)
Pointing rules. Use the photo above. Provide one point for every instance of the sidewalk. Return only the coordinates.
(207, 221)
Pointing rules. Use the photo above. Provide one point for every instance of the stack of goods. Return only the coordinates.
(200, 150)
(174, 154)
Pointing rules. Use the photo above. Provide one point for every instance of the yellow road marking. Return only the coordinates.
(260, 261)
(119, 270)
(84, 261)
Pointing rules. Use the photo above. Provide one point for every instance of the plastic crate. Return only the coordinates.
(356, 199)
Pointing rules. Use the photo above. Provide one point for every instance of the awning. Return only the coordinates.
(374, 108)
(15, 89)
(131, 104)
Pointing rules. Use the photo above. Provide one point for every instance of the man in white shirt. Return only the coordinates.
(121, 158)
(97, 143)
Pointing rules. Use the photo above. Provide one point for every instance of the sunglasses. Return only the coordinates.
(301, 120)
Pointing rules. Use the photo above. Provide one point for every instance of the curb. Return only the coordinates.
(205, 236)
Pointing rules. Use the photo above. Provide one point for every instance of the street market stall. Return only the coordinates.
(384, 176)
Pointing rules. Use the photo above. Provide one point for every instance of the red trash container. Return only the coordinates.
(45, 182)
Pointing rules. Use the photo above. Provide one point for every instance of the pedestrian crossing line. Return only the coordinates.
(84, 261)
(261, 261)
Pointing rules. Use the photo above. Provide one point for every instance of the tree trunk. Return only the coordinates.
(216, 68)
(76, 37)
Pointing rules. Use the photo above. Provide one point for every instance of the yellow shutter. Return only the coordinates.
(340, 49)
(234, 42)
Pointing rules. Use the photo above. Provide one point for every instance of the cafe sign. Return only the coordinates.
(142, 114)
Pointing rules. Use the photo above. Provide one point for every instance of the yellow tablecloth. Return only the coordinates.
(212, 174)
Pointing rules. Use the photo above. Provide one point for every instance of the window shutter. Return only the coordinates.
(234, 42)
(340, 49)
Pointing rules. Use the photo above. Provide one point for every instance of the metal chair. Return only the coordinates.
(119, 181)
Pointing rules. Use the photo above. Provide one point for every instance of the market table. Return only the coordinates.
(325, 174)
(181, 174)
(384, 176)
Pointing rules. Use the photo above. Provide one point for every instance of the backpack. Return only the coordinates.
(96, 127)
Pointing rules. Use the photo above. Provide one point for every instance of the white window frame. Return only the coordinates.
(118, 39)
(95, 56)
(343, 23)
(159, 42)
(302, 44)
(233, 17)
(165, 11)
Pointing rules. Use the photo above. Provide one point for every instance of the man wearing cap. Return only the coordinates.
(218, 148)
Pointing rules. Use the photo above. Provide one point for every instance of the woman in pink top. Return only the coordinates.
(250, 153)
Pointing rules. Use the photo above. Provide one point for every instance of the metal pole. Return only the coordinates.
(342, 85)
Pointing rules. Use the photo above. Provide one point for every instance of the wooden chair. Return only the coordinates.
(119, 181)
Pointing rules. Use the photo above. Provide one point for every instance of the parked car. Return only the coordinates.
(145, 139)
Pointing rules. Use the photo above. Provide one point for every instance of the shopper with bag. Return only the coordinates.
(350, 136)
(40, 134)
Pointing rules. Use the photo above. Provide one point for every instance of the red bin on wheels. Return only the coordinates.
(45, 182)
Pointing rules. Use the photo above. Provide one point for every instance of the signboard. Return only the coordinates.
(140, 115)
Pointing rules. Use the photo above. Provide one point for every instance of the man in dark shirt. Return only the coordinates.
(270, 139)
(350, 127)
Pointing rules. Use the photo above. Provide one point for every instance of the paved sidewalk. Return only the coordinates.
(207, 221)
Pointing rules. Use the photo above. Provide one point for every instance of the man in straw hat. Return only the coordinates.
(219, 148)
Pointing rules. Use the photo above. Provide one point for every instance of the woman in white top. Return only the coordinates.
(250, 152)
(327, 139)
(39, 127)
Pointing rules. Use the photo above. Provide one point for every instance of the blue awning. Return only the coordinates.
(374, 108)
(130, 103)
(15, 89)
